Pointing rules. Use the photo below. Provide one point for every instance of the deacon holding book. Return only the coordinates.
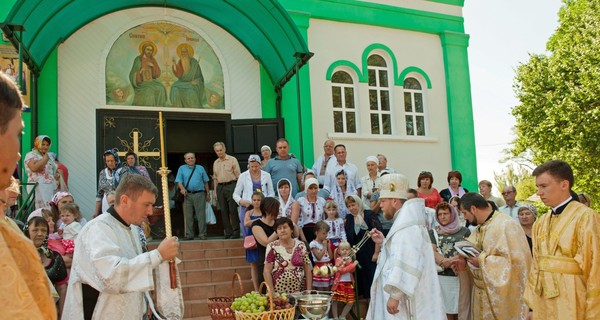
(565, 276)
(405, 285)
(500, 268)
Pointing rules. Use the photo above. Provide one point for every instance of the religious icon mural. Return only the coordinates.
(9, 65)
(163, 64)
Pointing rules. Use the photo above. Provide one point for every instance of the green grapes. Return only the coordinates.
(254, 302)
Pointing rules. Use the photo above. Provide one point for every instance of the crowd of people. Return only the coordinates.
(421, 253)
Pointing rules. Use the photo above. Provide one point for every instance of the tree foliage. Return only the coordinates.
(559, 93)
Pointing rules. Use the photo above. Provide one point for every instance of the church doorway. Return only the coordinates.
(138, 131)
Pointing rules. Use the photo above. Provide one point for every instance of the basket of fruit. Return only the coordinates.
(254, 306)
(220, 307)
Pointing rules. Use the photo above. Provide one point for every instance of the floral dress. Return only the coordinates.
(445, 244)
(44, 177)
(288, 268)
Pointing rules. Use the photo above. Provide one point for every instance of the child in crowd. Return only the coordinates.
(70, 216)
(321, 253)
(337, 231)
(343, 281)
(252, 213)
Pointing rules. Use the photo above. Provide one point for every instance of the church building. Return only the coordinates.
(379, 76)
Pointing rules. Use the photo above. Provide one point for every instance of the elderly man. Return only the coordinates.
(25, 292)
(485, 189)
(511, 208)
(321, 163)
(500, 268)
(110, 272)
(565, 276)
(226, 171)
(382, 166)
(192, 182)
(405, 284)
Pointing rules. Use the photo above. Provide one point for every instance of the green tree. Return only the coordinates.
(559, 92)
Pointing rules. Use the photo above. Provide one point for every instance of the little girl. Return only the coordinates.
(337, 231)
(343, 282)
(321, 253)
(70, 216)
(252, 213)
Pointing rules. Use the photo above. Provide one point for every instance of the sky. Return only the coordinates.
(502, 35)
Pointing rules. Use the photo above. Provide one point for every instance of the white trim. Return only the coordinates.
(373, 137)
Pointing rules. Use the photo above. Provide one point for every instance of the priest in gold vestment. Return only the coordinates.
(24, 289)
(564, 282)
(500, 270)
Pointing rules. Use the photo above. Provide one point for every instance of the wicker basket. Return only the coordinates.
(220, 307)
(271, 314)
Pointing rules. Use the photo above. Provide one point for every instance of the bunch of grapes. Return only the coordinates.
(254, 302)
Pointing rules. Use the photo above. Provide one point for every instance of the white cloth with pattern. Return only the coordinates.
(406, 270)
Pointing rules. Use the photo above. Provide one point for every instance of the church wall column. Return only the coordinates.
(289, 105)
(460, 109)
(48, 100)
(267, 95)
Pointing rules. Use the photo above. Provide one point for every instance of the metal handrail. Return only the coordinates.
(28, 204)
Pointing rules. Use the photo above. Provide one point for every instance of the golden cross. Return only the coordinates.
(135, 135)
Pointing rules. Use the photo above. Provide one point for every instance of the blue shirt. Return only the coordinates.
(197, 181)
(288, 168)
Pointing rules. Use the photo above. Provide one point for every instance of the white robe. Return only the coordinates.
(108, 256)
(406, 270)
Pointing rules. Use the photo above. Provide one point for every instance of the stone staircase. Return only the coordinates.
(207, 270)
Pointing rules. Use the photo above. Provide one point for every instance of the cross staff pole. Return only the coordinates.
(164, 172)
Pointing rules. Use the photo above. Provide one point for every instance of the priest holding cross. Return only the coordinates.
(111, 275)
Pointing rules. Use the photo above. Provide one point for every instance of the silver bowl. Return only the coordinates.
(313, 304)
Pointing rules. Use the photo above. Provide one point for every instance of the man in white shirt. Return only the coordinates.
(341, 164)
(110, 272)
(321, 163)
(511, 208)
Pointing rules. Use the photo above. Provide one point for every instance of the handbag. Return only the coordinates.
(178, 196)
(249, 242)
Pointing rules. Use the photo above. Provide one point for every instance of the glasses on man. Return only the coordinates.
(507, 193)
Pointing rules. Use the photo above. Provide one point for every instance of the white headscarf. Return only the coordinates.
(284, 205)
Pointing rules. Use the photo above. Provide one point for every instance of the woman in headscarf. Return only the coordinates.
(106, 180)
(527, 215)
(132, 166)
(40, 168)
(288, 207)
(359, 222)
(341, 190)
(443, 237)
(250, 181)
(56, 270)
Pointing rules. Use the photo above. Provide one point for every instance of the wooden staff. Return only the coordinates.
(164, 172)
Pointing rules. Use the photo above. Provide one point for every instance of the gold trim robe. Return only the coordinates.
(564, 282)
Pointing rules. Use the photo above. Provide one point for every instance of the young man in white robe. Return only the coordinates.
(110, 273)
(406, 285)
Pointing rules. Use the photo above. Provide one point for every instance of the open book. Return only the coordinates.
(466, 249)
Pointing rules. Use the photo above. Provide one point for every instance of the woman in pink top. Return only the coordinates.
(427, 191)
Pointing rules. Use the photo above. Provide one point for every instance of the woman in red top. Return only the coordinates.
(427, 191)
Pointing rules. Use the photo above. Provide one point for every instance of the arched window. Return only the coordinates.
(379, 96)
(413, 107)
(342, 94)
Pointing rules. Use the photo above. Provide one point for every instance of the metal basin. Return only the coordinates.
(313, 305)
